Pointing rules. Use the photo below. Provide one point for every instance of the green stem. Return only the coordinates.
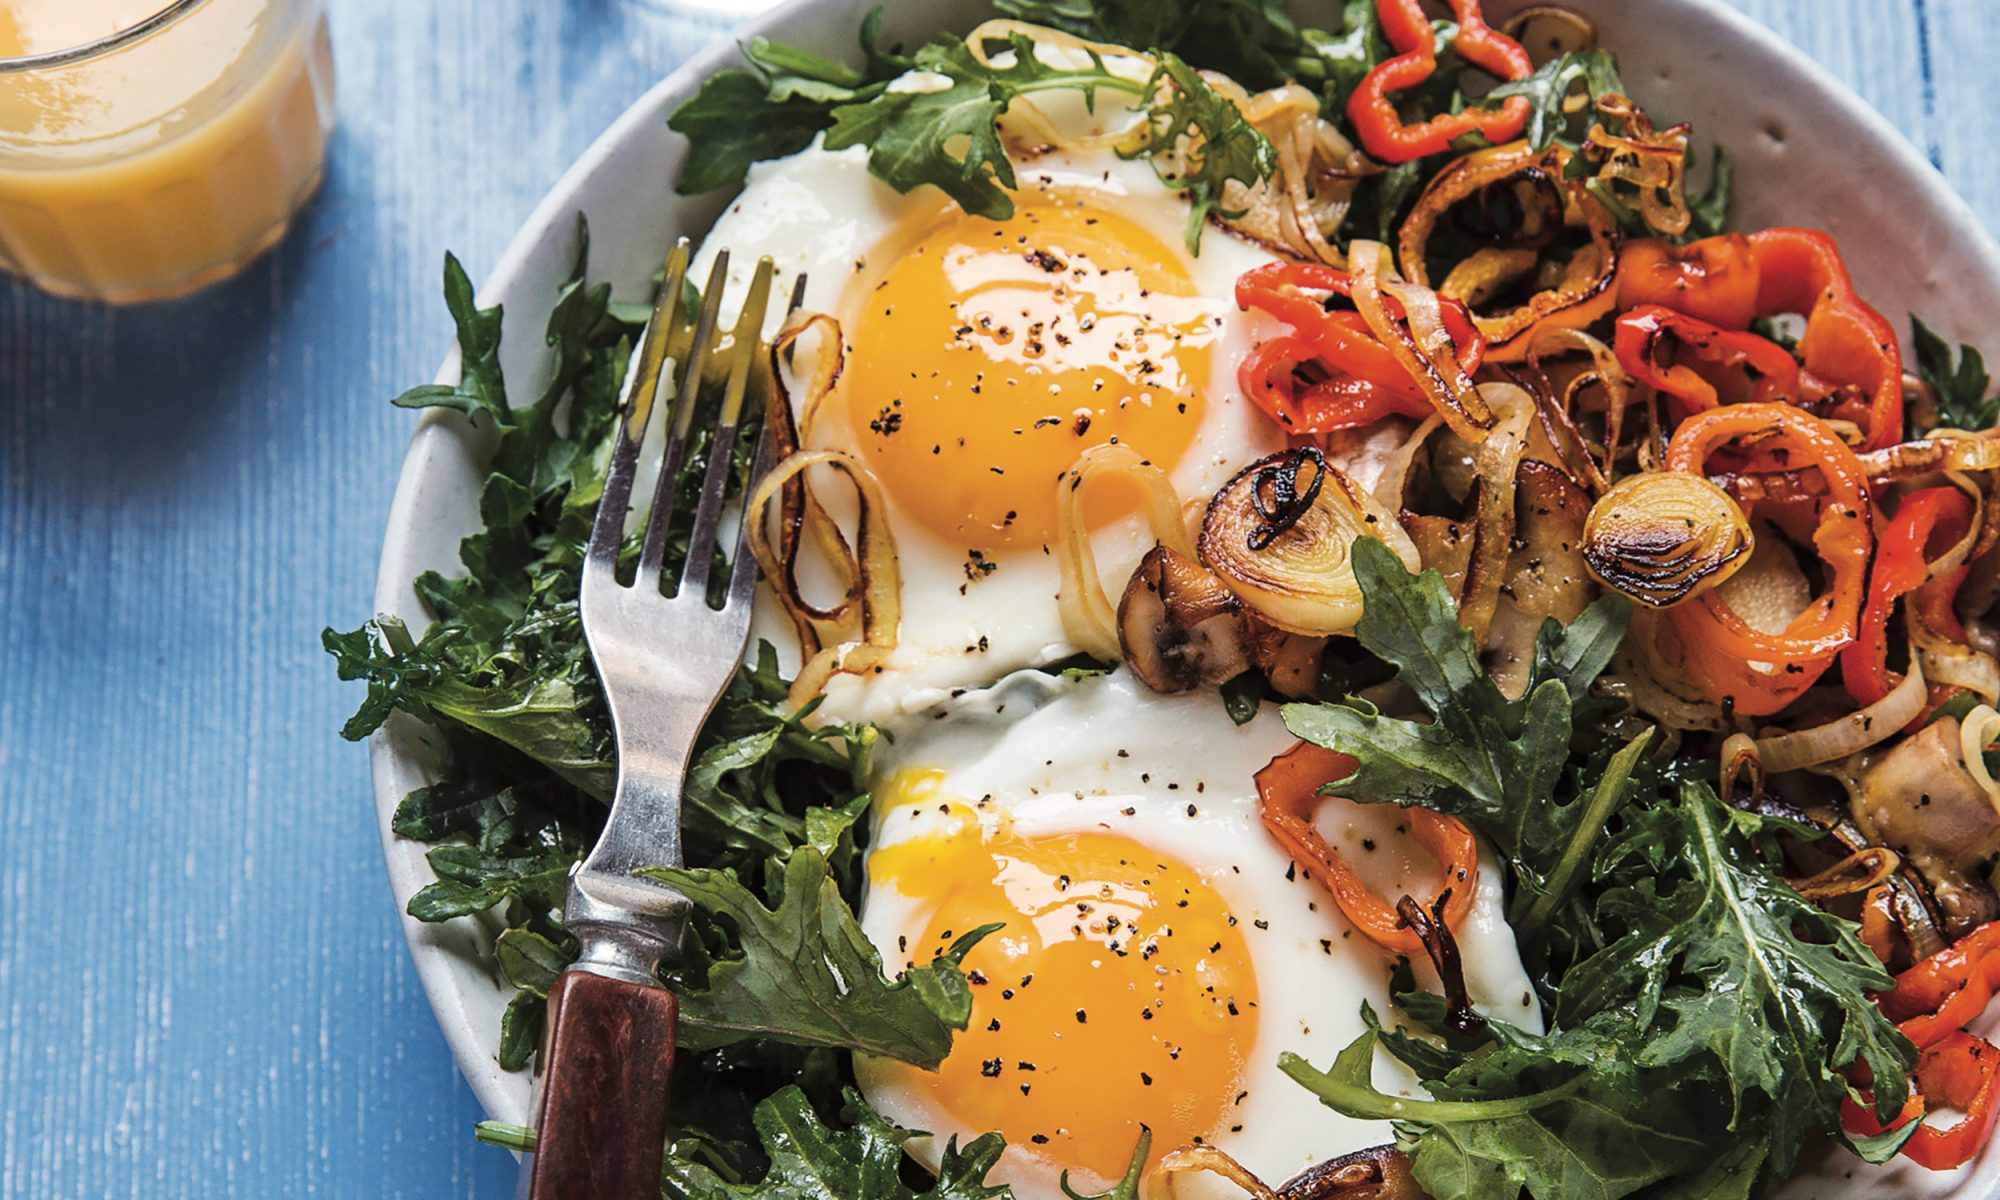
(1610, 790)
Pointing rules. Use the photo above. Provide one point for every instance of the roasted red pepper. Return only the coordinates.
(1372, 110)
(1363, 381)
(1691, 361)
(1934, 1001)
(1732, 279)
(1713, 280)
(1758, 673)
(1288, 792)
(1900, 567)
(1847, 344)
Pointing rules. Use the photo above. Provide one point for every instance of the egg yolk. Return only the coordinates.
(987, 355)
(1119, 991)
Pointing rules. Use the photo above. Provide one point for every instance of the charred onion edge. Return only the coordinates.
(1088, 618)
(1303, 580)
(1508, 334)
(1419, 342)
(1652, 537)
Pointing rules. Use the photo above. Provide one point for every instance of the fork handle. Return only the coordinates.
(609, 1056)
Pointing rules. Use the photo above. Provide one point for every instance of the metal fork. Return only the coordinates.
(664, 659)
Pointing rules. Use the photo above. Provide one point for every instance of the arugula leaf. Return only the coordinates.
(742, 117)
(1552, 88)
(1225, 146)
(1961, 390)
(810, 1160)
(1127, 1185)
(1594, 1136)
(1493, 762)
(1708, 1009)
(803, 973)
(1743, 968)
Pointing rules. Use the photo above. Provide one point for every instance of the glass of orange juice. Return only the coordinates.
(149, 148)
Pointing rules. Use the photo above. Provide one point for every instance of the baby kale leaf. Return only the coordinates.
(812, 1160)
(800, 971)
(1962, 400)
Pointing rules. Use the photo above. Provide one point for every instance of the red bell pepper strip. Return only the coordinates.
(1288, 791)
(1649, 337)
(1846, 342)
(1732, 279)
(1364, 380)
(1933, 1002)
(1759, 673)
(1372, 110)
(1900, 567)
(1713, 280)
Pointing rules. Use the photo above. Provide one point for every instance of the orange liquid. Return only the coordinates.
(165, 165)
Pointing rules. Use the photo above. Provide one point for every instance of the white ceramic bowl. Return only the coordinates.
(1807, 151)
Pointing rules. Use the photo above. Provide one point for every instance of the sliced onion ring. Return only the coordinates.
(1980, 729)
(1498, 465)
(1419, 342)
(1302, 580)
(1201, 1158)
(1088, 617)
(1587, 288)
(870, 614)
(1848, 735)
(1662, 537)
(1862, 871)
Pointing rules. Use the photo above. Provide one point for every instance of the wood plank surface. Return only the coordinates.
(203, 991)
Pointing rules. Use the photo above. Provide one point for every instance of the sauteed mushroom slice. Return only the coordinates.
(1180, 627)
(1378, 1173)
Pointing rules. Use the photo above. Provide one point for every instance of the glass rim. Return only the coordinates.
(166, 15)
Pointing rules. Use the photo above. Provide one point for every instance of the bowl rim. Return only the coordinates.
(443, 982)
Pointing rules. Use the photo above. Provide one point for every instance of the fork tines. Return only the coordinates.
(712, 376)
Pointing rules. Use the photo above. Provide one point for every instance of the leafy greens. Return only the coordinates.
(1702, 1023)
(778, 982)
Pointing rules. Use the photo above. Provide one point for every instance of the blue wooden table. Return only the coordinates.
(203, 991)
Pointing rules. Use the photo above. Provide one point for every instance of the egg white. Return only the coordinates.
(822, 214)
(1051, 756)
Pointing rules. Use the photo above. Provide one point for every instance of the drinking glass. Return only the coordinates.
(148, 149)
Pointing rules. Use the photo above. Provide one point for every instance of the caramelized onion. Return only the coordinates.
(1419, 341)
(1942, 451)
(1584, 290)
(1862, 871)
(1201, 1158)
(1851, 734)
(1498, 463)
(859, 631)
(862, 627)
(1087, 616)
(1664, 536)
(1549, 31)
(1652, 161)
(1302, 579)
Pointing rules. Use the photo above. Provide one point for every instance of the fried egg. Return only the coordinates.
(982, 358)
(1157, 950)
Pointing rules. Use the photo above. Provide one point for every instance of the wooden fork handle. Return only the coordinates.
(608, 1061)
